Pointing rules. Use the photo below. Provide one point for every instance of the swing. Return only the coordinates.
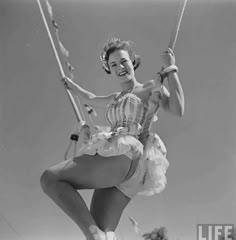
(83, 132)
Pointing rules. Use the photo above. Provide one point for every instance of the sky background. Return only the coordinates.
(36, 118)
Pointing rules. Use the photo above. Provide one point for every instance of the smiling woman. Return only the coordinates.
(126, 160)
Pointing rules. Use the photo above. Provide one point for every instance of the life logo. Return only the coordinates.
(215, 232)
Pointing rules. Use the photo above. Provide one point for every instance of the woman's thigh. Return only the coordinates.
(92, 172)
(107, 206)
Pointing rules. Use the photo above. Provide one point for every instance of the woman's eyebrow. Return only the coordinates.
(113, 62)
(122, 59)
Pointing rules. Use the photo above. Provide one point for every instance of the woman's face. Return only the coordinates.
(121, 65)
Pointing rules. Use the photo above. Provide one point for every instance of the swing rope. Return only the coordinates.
(61, 70)
(175, 31)
(74, 100)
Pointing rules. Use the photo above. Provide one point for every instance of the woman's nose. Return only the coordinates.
(121, 66)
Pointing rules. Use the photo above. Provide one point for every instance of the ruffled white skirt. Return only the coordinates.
(149, 177)
(156, 164)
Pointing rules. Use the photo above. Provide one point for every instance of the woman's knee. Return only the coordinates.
(48, 179)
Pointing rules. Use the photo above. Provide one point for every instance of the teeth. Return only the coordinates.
(122, 74)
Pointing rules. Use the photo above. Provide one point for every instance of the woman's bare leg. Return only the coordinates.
(60, 183)
(107, 206)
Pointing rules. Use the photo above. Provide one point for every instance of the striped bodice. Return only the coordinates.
(125, 111)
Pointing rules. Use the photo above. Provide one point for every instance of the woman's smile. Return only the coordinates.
(123, 73)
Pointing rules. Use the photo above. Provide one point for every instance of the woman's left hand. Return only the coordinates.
(168, 57)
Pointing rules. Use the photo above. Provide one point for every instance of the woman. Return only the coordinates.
(125, 161)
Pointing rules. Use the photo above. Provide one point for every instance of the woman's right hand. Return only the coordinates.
(77, 90)
(86, 96)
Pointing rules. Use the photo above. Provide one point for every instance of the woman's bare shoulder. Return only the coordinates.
(112, 97)
(149, 83)
(144, 91)
(103, 101)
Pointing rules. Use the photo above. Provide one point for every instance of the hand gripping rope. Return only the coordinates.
(159, 87)
(173, 37)
(84, 130)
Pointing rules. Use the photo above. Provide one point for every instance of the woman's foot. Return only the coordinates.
(96, 233)
(110, 236)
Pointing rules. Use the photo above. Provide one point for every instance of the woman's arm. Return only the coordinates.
(172, 99)
(88, 97)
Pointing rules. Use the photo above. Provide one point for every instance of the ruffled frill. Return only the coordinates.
(154, 158)
(122, 140)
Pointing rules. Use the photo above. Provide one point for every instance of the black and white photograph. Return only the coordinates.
(117, 120)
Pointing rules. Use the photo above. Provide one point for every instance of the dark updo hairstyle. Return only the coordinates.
(114, 44)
